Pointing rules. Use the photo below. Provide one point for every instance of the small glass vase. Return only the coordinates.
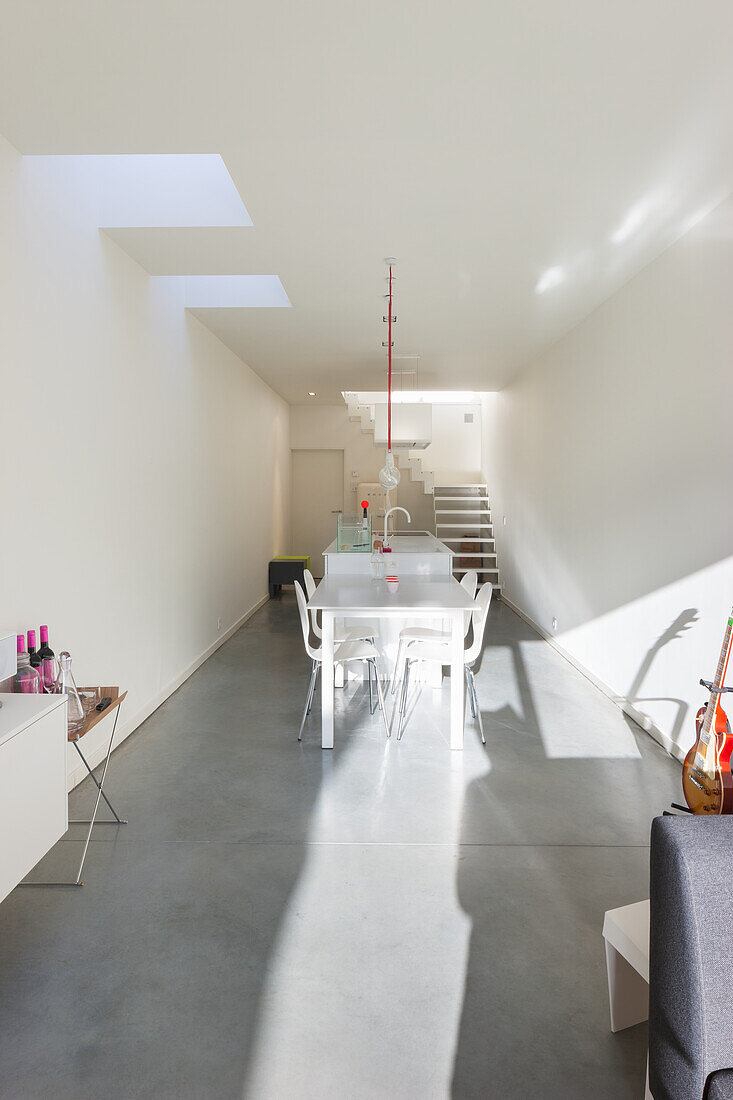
(26, 680)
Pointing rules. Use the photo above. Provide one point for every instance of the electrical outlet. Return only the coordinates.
(554, 624)
(354, 473)
(218, 624)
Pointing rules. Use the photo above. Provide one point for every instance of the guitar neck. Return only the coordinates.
(706, 750)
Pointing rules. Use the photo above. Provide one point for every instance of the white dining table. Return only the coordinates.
(361, 597)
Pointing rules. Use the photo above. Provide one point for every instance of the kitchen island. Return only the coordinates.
(413, 553)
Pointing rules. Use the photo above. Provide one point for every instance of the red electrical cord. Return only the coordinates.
(389, 370)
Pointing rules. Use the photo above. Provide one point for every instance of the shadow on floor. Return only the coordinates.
(147, 982)
(155, 979)
(570, 840)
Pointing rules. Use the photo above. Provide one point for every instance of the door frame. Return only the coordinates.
(331, 450)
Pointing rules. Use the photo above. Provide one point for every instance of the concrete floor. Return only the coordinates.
(385, 920)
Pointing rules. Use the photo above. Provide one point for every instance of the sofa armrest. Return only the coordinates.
(690, 954)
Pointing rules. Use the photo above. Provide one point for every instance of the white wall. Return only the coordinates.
(611, 458)
(455, 452)
(145, 469)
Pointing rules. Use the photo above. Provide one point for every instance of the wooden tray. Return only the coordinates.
(94, 715)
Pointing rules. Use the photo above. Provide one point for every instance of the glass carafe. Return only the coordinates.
(65, 686)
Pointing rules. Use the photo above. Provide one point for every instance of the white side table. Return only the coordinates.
(626, 934)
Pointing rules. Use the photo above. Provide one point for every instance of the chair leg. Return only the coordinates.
(312, 686)
(476, 706)
(403, 697)
(470, 693)
(397, 665)
(380, 695)
(308, 698)
(371, 693)
(398, 712)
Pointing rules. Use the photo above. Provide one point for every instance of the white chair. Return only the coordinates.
(469, 581)
(366, 632)
(347, 651)
(440, 651)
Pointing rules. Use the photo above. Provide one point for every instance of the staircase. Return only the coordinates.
(410, 461)
(463, 523)
(461, 509)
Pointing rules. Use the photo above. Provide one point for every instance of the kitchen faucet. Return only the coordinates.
(388, 513)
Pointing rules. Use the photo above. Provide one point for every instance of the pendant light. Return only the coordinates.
(389, 475)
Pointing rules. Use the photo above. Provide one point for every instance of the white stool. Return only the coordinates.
(626, 932)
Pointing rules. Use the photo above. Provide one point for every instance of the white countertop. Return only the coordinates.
(18, 711)
(401, 542)
(354, 592)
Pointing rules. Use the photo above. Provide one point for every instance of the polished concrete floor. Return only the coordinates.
(385, 920)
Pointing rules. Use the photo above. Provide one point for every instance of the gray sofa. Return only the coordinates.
(691, 959)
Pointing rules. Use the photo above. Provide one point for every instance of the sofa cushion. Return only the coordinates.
(720, 1085)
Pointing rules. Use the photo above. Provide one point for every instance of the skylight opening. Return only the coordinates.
(234, 292)
(414, 397)
(150, 190)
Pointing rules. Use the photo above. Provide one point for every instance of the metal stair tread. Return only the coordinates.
(472, 555)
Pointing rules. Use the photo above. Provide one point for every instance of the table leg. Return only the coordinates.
(327, 681)
(628, 993)
(456, 681)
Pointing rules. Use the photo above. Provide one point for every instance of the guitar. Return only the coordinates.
(706, 773)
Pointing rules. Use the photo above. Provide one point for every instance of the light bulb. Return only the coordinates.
(389, 475)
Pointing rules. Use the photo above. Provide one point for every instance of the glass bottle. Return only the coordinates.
(377, 561)
(48, 662)
(65, 686)
(26, 680)
(33, 655)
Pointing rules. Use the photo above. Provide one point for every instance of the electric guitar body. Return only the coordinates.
(707, 780)
(706, 794)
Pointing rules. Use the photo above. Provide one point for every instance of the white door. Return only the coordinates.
(318, 497)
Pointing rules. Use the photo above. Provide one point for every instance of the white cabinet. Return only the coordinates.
(33, 798)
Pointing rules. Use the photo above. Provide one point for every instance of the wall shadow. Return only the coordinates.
(676, 629)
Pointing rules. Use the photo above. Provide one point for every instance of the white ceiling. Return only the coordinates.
(480, 143)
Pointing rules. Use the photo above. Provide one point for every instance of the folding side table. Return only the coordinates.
(626, 934)
(75, 735)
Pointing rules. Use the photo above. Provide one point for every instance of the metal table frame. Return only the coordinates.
(352, 597)
(91, 720)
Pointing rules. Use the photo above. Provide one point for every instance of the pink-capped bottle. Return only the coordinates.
(48, 662)
(26, 680)
(33, 655)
